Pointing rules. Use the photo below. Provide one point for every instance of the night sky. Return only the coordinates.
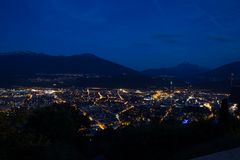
(137, 33)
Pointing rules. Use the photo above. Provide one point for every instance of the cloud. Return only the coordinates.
(166, 38)
(219, 38)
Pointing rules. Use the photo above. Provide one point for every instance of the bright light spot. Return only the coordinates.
(139, 92)
(233, 108)
(117, 116)
(208, 106)
(185, 121)
(157, 95)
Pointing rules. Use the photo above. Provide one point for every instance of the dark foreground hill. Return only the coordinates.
(63, 134)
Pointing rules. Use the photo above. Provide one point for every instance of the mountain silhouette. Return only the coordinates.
(37, 69)
(222, 78)
(29, 63)
(224, 72)
(184, 71)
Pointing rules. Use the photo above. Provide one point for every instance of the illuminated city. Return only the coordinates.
(116, 108)
(120, 80)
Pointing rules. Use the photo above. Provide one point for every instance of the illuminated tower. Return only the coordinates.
(231, 79)
(171, 86)
(171, 92)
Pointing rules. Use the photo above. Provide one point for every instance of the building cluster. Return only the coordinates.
(117, 108)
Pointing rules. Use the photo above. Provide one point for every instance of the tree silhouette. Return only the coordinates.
(224, 115)
(57, 122)
(42, 133)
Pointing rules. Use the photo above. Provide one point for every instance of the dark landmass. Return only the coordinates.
(59, 132)
(28, 63)
(184, 71)
(85, 70)
(221, 78)
(88, 70)
(225, 72)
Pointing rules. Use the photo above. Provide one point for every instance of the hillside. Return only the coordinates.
(28, 63)
(184, 71)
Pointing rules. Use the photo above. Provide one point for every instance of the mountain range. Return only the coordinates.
(28, 63)
(25, 68)
(220, 78)
(227, 71)
(84, 70)
(184, 71)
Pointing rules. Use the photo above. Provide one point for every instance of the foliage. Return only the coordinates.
(53, 133)
(42, 133)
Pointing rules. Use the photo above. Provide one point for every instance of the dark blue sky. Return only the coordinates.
(136, 33)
